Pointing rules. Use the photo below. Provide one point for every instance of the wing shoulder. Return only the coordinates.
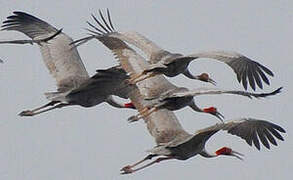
(141, 42)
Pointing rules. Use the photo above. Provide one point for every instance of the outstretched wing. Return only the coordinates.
(151, 49)
(251, 130)
(62, 60)
(119, 48)
(244, 67)
(208, 91)
(109, 81)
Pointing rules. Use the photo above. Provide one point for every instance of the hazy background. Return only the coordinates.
(75, 143)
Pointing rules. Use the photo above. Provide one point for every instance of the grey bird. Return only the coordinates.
(251, 130)
(163, 125)
(178, 98)
(173, 64)
(75, 87)
(168, 100)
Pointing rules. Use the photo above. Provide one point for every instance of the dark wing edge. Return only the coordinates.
(111, 79)
(253, 131)
(96, 32)
(249, 71)
(256, 95)
(27, 24)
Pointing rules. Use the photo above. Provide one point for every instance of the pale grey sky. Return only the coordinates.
(75, 143)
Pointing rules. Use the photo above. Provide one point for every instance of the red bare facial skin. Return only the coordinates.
(210, 110)
(204, 77)
(129, 105)
(224, 151)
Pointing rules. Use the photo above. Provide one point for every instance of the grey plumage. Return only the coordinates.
(63, 61)
(178, 98)
(172, 64)
(251, 130)
(75, 87)
(172, 140)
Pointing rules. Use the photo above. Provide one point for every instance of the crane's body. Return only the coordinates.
(171, 69)
(75, 87)
(181, 97)
(173, 142)
(162, 60)
(172, 64)
(251, 130)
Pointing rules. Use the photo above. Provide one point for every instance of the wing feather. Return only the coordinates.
(62, 60)
(106, 82)
(207, 91)
(251, 130)
(270, 137)
(243, 66)
(263, 138)
(257, 78)
(244, 76)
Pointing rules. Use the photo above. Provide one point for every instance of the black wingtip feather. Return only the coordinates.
(105, 22)
(257, 79)
(279, 128)
(263, 76)
(269, 72)
(276, 133)
(256, 140)
(251, 78)
(100, 24)
(270, 137)
(263, 138)
(109, 19)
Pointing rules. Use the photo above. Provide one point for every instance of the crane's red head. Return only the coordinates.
(224, 151)
(206, 78)
(210, 110)
(129, 105)
(214, 111)
(228, 152)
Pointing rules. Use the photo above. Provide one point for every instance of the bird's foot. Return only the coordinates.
(133, 119)
(127, 170)
(26, 113)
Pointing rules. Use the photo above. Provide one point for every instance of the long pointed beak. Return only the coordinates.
(212, 81)
(237, 155)
(220, 116)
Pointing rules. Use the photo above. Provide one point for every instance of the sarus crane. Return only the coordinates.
(251, 130)
(173, 99)
(173, 64)
(75, 87)
(178, 98)
(173, 142)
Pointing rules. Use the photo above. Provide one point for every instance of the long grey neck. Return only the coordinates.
(114, 103)
(188, 74)
(206, 154)
(195, 107)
